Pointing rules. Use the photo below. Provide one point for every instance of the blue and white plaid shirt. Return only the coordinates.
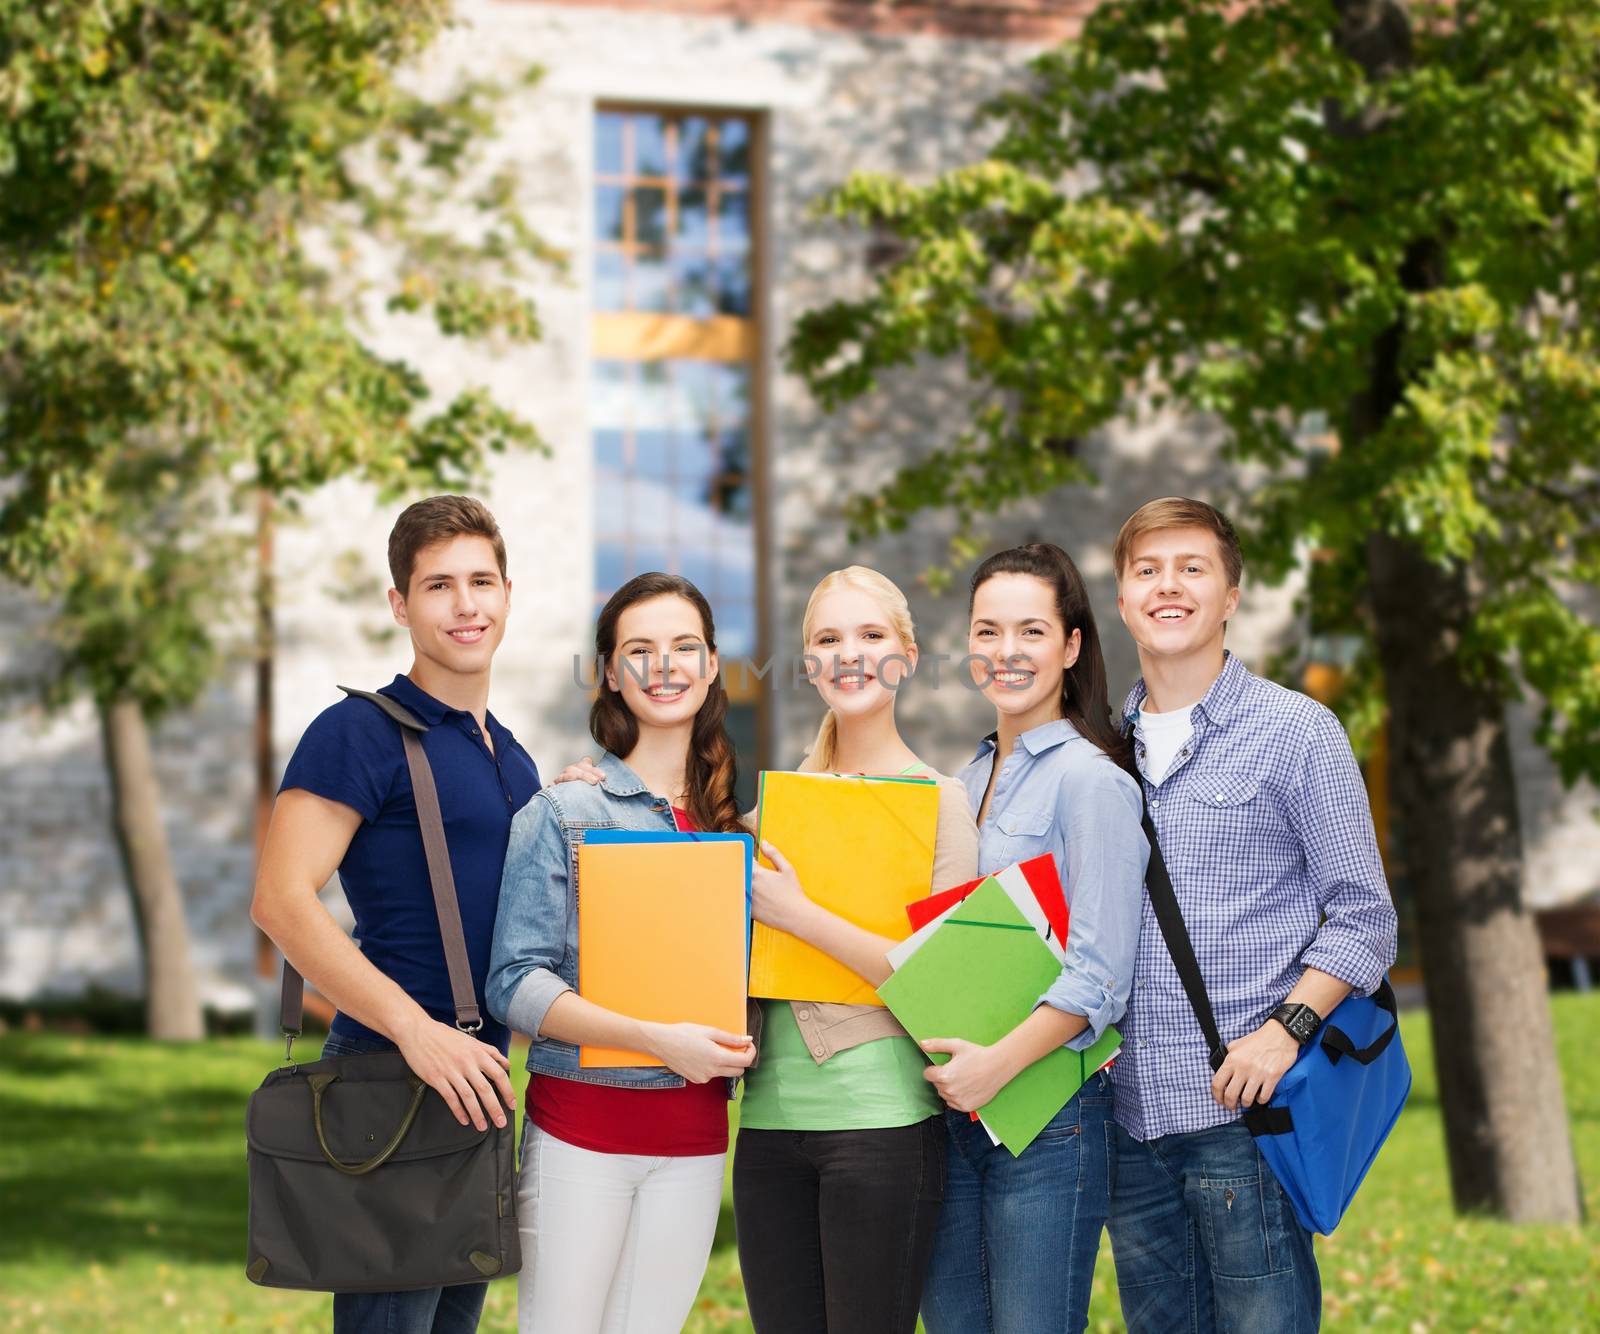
(1264, 824)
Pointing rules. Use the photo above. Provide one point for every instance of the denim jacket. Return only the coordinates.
(535, 954)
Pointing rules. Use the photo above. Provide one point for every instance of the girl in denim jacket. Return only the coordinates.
(622, 1168)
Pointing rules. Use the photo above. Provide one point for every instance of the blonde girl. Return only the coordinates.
(840, 1160)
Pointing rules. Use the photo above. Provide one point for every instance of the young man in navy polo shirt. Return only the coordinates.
(346, 804)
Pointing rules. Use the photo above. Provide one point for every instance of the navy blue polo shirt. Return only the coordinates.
(353, 754)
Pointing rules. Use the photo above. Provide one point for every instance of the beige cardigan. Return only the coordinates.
(830, 1028)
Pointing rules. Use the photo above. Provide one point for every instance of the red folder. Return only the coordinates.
(1039, 872)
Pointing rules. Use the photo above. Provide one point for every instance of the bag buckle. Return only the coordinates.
(288, 1045)
(473, 1027)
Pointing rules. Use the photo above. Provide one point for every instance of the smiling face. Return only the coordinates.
(862, 658)
(662, 666)
(1173, 593)
(455, 606)
(1020, 649)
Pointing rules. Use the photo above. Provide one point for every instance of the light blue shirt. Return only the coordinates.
(1060, 793)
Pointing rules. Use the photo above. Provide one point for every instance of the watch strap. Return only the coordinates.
(1301, 1021)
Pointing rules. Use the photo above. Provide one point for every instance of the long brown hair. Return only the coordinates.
(710, 771)
(1084, 699)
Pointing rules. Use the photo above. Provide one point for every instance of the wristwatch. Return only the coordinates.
(1301, 1021)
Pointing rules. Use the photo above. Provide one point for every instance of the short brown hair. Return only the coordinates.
(1180, 512)
(438, 519)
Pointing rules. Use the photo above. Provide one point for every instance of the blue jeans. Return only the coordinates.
(452, 1310)
(1204, 1238)
(1018, 1237)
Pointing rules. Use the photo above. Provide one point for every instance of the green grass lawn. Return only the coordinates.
(122, 1206)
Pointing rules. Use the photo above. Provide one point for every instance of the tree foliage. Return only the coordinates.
(197, 202)
(1380, 216)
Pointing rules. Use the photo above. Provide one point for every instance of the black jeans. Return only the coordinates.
(836, 1226)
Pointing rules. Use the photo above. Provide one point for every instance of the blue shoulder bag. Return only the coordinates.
(1333, 1109)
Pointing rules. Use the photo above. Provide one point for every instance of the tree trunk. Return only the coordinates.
(172, 1002)
(1505, 1121)
(1450, 775)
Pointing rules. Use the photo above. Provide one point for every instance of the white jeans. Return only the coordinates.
(612, 1243)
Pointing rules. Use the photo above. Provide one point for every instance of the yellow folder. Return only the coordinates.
(863, 848)
(661, 935)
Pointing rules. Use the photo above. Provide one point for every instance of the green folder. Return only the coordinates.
(977, 977)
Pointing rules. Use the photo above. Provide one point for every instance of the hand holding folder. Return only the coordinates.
(862, 848)
(977, 975)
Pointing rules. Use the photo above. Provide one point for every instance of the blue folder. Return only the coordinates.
(600, 836)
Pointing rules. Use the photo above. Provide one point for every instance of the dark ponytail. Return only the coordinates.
(711, 770)
(1084, 699)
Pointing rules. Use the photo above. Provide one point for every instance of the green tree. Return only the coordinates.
(1380, 215)
(196, 201)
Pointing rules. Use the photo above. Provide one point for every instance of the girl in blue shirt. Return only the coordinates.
(1017, 1237)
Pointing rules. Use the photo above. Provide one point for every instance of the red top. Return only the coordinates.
(659, 1123)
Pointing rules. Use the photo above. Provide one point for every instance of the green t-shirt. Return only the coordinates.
(871, 1087)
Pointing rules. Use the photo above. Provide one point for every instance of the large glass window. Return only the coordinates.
(674, 409)
(672, 214)
(672, 484)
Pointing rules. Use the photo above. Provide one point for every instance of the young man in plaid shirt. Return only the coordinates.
(1264, 824)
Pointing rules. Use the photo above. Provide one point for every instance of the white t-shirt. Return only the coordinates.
(1164, 735)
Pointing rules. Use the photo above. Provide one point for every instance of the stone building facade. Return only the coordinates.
(760, 105)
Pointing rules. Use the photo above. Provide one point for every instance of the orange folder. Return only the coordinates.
(661, 936)
(863, 848)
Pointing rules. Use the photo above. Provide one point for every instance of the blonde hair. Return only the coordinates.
(1180, 512)
(823, 750)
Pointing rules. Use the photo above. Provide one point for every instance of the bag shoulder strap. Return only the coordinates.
(393, 707)
(1164, 901)
(431, 820)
